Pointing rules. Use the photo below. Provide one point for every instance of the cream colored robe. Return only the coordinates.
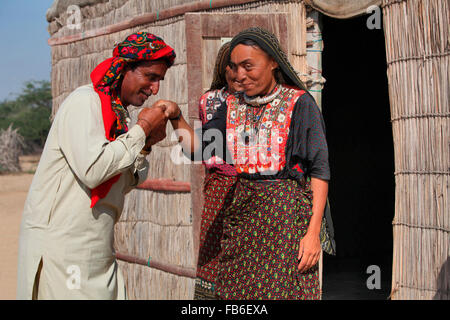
(73, 242)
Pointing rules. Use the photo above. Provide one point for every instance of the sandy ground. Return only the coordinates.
(13, 192)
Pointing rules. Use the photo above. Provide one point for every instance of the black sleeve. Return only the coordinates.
(219, 119)
(213, 137)
(309, 143)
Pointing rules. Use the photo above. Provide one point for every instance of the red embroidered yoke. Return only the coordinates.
(258, 146)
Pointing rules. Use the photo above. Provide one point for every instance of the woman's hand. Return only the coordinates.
(309, 251)
(172, 109)
(310, 248)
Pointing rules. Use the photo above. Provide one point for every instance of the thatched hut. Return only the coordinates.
(157, 235)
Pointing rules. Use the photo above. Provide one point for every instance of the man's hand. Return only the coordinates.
(172, 109)
(153, 121)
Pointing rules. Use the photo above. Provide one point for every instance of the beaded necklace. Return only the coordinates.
(251, 136)
(258, 101)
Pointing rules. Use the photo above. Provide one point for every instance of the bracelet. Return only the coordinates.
(178, 117)
(146, 152)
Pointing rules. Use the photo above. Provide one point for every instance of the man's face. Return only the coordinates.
(142, 82)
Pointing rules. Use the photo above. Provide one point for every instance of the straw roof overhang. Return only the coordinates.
(342, 9)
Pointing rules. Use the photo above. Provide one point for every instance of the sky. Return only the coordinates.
(24, 52)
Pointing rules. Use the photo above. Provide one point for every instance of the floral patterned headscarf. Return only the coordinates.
(106, 78)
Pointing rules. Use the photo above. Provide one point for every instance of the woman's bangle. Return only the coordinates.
(146, 152)
(178, 117)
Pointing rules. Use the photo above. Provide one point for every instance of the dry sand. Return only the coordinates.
(13, 192)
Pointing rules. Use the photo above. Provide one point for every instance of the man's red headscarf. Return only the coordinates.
(141, 46)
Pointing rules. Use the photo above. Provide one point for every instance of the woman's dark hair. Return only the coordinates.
(222, 61)
(249, 42)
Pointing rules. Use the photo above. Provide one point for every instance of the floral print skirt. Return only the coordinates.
(262, 229)
(218, 192)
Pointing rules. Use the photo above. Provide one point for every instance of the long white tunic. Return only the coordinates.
(73, 242)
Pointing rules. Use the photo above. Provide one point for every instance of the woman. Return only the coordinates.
(275, 137)
(219, 180)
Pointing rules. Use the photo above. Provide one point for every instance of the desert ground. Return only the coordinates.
(13, 192)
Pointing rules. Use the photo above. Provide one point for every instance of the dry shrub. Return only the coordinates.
(11, 147)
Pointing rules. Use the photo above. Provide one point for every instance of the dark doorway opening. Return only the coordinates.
(355, 106)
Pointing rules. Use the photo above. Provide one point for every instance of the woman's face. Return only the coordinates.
(233, 84)
(254, 69)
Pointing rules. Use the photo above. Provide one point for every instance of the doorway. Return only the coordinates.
(355, 105)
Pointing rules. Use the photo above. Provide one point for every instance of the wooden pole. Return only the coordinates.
(189, 272)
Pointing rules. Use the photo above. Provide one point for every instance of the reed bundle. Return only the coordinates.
(417, 50)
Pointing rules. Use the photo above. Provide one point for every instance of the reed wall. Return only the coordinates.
(417, 50)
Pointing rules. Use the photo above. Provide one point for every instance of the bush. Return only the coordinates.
(29, 113)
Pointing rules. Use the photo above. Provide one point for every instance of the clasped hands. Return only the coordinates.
(153, 120)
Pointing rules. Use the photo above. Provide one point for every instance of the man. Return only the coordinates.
(90, 161)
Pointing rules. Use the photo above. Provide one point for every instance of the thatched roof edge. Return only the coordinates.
(148, 18)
